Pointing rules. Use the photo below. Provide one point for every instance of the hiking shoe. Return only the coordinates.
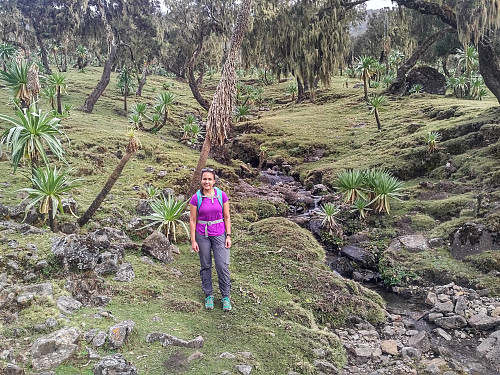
(226, 304)
(209, 303)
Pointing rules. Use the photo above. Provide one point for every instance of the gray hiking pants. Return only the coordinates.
(215, 244)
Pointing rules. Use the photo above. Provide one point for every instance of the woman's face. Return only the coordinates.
(207, 180)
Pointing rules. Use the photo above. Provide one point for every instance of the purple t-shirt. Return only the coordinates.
(210, 210)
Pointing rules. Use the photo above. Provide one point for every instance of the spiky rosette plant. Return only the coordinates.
(330, 221)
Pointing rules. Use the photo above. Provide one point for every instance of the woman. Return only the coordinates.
(210, 226)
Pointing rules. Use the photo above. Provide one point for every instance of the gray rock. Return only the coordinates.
(158, 246)
(319, 352)
(325, 366)
(70, 206)
(107, 263)
(25, 299)
(67, 304)
(443, 307)
(118, 334)
(389, 347)
(90, 334)
(104, 237)
(471, 239)
(4, 211)
(483, 322)
(414, 243)
(20, 228)
(409, 352)
(227, 355)
(30, 277)
(359, 255)
(167, 340)
(13, 369)
(433, 316)
(420, 341)
(490, 349)
(99, 339)
(92, 353)
(442, 333)
(6, 355)
(197, 355)
(40, 265)
(74, 251)
(143, 208)
(18, 213)
(114, 364)
(244, 369)
(451, 322)
(432, 81)
(50, 351)
(68, 228)
(51, 322)
(125, 273)
(460, 305)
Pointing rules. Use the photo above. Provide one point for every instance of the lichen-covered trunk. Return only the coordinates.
(142, 81)
(193, 82)
(59, 104)
(43, 51)
(89, 104)
(489, 67)
(205, 151)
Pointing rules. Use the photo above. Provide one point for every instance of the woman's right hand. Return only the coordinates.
(194, 246)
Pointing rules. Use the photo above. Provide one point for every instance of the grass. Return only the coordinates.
(283, 295)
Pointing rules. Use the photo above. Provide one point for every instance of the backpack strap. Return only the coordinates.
(218, 192)
(199, 199)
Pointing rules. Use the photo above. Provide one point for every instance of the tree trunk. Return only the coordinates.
(64, 63)
(59, 105)
(52, 222)
(88, 106)
(379, 125)
(142, 82)
(444, 64)
(398, 87)
(489, 67)
(193, 84)
(45, 59)
(105, 190)
(125, 100)
(365, 86)
(301, 95)
(205, 151)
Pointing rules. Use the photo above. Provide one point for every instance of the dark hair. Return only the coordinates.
(210, 170)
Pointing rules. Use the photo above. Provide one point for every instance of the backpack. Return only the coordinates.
(199, 197)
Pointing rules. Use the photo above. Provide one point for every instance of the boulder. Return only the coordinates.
(18, 213)
(342, 266)
(114, 364)
(389, 347)
(431, 80)
(483, 322)
(443, 307)
(158, 246)
(4, 211)
(244, 369)
(125, 273)
(13, 369)
(490, 349)
(471, 239)
(143, 208)
(414, 243)
(118, 334)
(50, 351)
(43, 289)
(70, 206)
(359, 255)
(420, 341)
(67, 304)
(325, 367)
(107, 263)
(451, 322)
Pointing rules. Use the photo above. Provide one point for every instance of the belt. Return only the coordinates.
(207, 223)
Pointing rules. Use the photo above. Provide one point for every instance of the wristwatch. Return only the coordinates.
(228, 234)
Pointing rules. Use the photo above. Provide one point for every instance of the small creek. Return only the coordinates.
(408, 303)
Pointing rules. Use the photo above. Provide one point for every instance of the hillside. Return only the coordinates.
(287, 302)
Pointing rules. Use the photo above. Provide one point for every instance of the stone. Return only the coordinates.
(68, 228)
(50, 351)
(319, 352)
(343, 266)
(13, 369)
(490, 349)
(99, 339)
(431, 299)
(409, 352)
(167, 340)
(197, 355)
(19, 213)
(442, 333)
(74, 251)
(451, 322)
(107, 263)
(244, 369)
(44, 289)
(143, 208)
(119, 333)
(125, 273)
(359, 255)
(92, 353)
(90, 334)
(158, 246)
(460, 305)
(227, 355)
(25, 299)
(363, 352)
(70, 206)
(389, 347)
(431, 317)
(483, 322)
(495, 312)
(67, 304)
(414, 243)
(325, 366)
(432, 81)
(434, 366)
(114, 364)
(471, 239)
(443, 307)
(4, 211)
(420, 341)
(40, 265)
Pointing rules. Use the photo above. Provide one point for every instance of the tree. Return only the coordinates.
(365, 68)
(7, 54)
(49, 185)
(15, 78)
(126, 84)
(165, 101)
(376, 102)
(131, 148)
(30, 132)
(220, 112)
(56, 80)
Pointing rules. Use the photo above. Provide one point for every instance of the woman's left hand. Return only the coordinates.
(228, 242)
